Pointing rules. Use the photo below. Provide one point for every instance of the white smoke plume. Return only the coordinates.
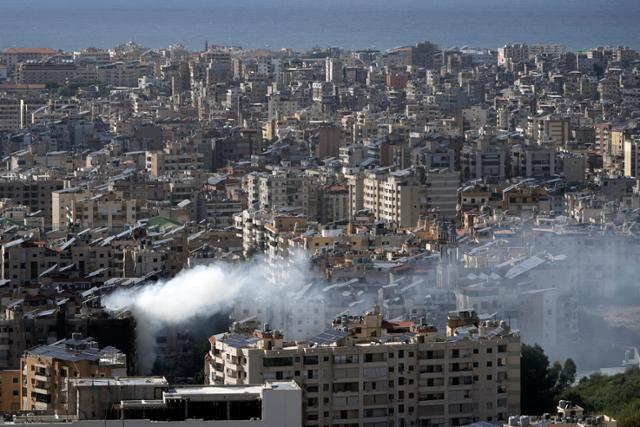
(200, 292)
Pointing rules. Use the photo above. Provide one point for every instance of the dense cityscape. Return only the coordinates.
(421, 236)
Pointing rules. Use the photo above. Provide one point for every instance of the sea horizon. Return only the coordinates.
(302, 24)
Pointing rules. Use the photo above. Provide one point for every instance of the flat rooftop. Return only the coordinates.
(119, 381)
(226, 392)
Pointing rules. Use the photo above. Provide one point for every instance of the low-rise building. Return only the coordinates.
(45, 371)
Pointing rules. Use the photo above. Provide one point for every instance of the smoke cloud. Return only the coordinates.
(201, 292)
(594, 304)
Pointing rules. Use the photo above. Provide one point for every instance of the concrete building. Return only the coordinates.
(333, 204)
(442, 191)
(151, 401)
(329, 142)
(533, 161)
(549, 128)
(172, 159)
(9, 390)
(631, 158)
(45, 371)
(46, 72)
(12, 56)
(482, 160)
(572, 166)
(12, 115)
(555, 50)
(397, 197)
(334, 70)
(281, 189)
(512, 53)
(426, 55)
(368, 371)
(107, 209)
(36, 194)
(123, 74)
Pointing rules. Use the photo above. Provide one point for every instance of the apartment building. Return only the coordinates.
(513, 53)
(34, 193)
(45, 371)
(549, 128)
(631, 158)
(483, 160)
(61, 205)
(11, 114)
(17, 113)
(172, 159)
(367, 371)
(426, 55)
(12, 56)
(334, 204)
(45, 72)
(108, 209)
(281, 189)
(9, 390)
(442, 191)
(397, 197)
(31, 261)
(122, 74)
(533, 161)
(334, 70)
(555, 50)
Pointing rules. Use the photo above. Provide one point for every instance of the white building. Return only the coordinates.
(151, 402)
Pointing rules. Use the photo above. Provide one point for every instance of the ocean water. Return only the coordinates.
(74, 24)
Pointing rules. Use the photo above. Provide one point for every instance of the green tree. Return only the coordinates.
(537, 381)
(617, 396)
(567, 375)
(541, 384)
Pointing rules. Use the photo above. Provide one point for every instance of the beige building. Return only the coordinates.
(42, 73)
(123, 74)
(61, 205)
(15, 113)
(513, 53)
(11, 114)
(82, 206)
(9, 390)
(550, 128)
(397, 197)
(173, 159)
(369, 372)
(106, 210)
(631, 158)
(618, 137)
(12, 56)
(281, 189)
(36, 194)
(45, 371)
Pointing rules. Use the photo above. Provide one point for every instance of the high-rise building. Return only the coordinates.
(396, 197)
(426, 55)
(513, 53)
(631, 158)
(333, 70)
(442, 191)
